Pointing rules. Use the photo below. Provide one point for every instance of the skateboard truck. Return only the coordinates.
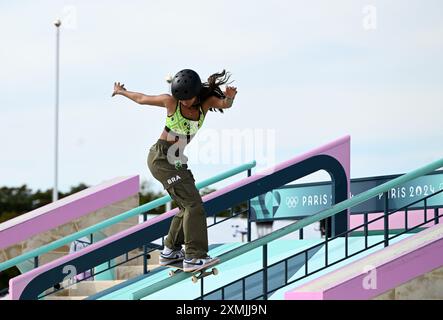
(196, 274)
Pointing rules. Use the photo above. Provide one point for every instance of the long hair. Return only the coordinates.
(212, 87)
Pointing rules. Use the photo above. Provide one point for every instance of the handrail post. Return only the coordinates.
(326, 241)
(366, 228)
(265, 272)
(145, 259)
(386, 220)
(249, 213)
(426, 210)
(406, 220)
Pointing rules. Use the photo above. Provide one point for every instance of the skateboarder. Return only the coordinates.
(186, 110)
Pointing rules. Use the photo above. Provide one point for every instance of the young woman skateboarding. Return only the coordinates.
(186, 110)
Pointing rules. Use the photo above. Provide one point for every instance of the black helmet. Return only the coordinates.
(186, 84)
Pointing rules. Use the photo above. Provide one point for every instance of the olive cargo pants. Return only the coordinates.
(188, 227)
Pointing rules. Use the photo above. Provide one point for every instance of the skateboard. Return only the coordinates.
(198, 273)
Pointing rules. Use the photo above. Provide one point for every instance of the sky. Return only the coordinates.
(307, 73)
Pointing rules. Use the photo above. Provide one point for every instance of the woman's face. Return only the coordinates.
(188, 103)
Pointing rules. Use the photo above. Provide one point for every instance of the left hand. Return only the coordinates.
(118, 88)
(230, 92)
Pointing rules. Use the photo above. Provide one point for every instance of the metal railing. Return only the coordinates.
(262, 242)
(144, 254)
(264, 276)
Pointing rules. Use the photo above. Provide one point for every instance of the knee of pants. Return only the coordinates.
(186, 196)
(196, 209)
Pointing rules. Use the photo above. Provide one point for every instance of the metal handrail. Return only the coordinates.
(111, 221)
(305, 252)
(342, 206)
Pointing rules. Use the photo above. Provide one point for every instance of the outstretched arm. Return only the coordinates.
(162, 100)
(214, 102)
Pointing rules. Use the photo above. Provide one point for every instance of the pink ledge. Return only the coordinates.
(67, 209)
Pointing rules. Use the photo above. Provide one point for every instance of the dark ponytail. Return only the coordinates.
(212, 87)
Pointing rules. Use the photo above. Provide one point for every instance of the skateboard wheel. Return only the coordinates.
(194, 279)
(171, 273)
(215, 271)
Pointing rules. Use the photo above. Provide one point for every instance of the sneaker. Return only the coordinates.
(171, 256)
(194, 264)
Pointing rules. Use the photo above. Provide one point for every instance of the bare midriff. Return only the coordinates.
(171, 138)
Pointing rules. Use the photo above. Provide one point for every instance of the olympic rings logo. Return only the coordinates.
(292, 201)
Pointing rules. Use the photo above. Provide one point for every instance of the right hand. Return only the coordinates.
(118, 88)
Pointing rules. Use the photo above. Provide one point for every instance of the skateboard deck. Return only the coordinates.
(198, 273)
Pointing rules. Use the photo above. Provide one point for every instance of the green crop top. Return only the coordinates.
(182, 126)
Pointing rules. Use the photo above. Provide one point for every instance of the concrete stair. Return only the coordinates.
(83, 289)
(129, 270)
(134, 267)
(87, 288)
